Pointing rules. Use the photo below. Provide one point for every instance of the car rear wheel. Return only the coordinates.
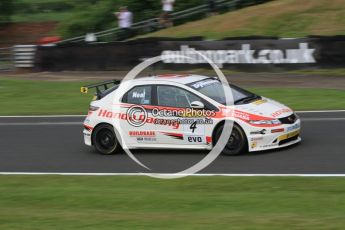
(104, 139)
(237, 143)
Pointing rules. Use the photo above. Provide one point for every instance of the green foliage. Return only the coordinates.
(99, 16)
(89, 18)
(46, 10)
(34, 7)
(6, 10)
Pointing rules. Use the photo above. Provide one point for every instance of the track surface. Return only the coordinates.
(55, 144)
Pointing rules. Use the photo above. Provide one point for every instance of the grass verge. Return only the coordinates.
(323, 72)
(306, 99)
(283, 18)
(29, 97)
(57, 202)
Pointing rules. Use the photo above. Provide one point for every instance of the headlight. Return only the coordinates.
(297, 117)
(265, 122)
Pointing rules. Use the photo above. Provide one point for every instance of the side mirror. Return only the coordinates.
(197, 105)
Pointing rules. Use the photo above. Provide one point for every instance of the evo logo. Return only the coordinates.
(195, 139)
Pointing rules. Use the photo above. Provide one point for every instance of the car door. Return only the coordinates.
(136, 130)
(186, 130)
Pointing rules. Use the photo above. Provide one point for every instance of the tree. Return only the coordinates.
(6, 10)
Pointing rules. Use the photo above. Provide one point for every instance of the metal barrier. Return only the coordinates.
(24, 56)
(6, 59)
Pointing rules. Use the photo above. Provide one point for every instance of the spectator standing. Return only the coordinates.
(212, 7)
(125, 20)
(168, 8)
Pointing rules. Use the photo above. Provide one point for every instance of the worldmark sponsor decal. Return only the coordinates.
(143, 136)
(142, 133)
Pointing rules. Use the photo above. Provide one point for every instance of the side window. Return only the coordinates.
(175, 97)
(140, 95)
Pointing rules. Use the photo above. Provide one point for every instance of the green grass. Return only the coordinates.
(284, 18)
(305, 99)
(324, 72)
(57, 202)
(27, 97)
(310, 72)
(31, 97)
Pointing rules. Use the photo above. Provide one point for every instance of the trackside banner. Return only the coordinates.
(242, 54)
(246, 55)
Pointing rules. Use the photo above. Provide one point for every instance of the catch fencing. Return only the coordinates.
(24, 56)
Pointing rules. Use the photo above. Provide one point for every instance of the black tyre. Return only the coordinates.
(104, 139)
(237, 143)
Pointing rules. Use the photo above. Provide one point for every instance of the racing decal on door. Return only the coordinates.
(193, 126)
(177, 136)
(143, 136)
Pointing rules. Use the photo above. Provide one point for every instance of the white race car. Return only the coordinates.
(185, 112)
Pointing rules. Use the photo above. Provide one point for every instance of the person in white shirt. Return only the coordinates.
(168, 5)
(168, 8)
(125, 20)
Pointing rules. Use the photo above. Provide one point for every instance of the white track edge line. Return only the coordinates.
(321, 111)
(168, 174)
(322, 119)
(40, 123)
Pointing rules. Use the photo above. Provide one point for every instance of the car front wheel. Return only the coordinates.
(237, 142)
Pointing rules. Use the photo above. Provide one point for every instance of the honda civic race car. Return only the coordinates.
(185, 112)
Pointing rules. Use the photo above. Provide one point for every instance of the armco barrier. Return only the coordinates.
(247, 54)
(24, 55)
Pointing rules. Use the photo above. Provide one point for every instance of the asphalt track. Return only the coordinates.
(55, 145)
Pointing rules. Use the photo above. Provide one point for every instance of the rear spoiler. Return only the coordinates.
(100, 87)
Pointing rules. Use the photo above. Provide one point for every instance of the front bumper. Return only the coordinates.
(87, 137)
(269, 139)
